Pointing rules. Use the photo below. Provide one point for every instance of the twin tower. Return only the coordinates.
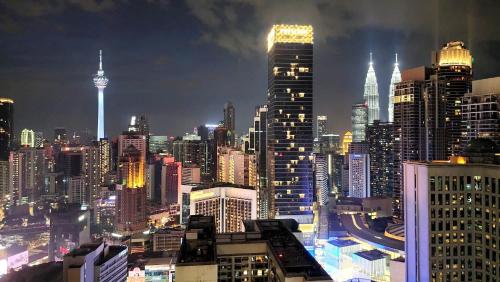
(371, 95)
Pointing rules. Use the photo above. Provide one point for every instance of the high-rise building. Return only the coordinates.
(130, 138)
(104, 159)
(6, 127)
(236, 167)
(39, 139)
(359, 121)
(4, 180)
(321, 179)
(419, 124)
(27, 138)
(230, 205)
(380, 138)
(481, 111)
(91, 171)
(453, 67)
(26, 174)
(395, 78)
(359, 170)
(131, 192)
(100, 81)
(96, 262)
(321, 126)
(346, 140)
(171, 175)
(451, 221)
(370, 95)
(230, 122)
(290, 121)
(158, 144)
(260, 149)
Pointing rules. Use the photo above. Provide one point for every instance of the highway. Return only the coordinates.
(355, 226)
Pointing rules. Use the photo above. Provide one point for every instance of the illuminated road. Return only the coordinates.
(355, 226)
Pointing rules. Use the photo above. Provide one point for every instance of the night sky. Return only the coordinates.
(180, 61)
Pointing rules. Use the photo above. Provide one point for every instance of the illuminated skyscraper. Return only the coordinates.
(230, 121)
(290, 121)
(321, 126)
(6, 127)
(453, 67)
(371, 93)
(359, 120)
(27, 138)
(100, 82)
(396, 77)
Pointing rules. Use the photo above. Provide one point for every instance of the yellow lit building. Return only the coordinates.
(346, 140)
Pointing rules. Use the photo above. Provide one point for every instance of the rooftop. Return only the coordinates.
(198, 246)
(372, 255)
(342, 243)
(221, 184)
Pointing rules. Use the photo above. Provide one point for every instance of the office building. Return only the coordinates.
(191, 174)
(26, 174)
(230, 205)
(91, 170)
(260, 151)
(359, 170)
(230, 122)
(6, 127)
(100, 82)
(321, 179)
(453, 67)
(27, 138)
(39, 139)
(395, 78)
(321, 126)
(167, 239)
(266, 251)
(130, 138)
(104, 159)
(131, 193)
(290, 121)
(419, 124)
(171, 180)
(96, 262)
(380, 138)
(481, 111)
(359, 122)
(236, 167)
(158, 144)
(451, 221)
(4, 180)
(370, 95)
(69, 228)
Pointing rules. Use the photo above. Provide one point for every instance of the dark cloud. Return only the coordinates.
(179, 61)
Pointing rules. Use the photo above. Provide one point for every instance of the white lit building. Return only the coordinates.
(359, 175)
(229, 205)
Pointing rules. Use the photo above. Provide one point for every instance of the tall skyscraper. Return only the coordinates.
(321, 128)
(230, 122)
(321, 179)
(260, 128)
(481, 111)
(380, 139)
(359, 170)
(453, 66)
(290, 121)
(6, 127)
(419, 124)
(100, 81)
(27, 138)
(359, 121)
(395, 78)
(371, 96)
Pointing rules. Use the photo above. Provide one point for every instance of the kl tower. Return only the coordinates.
(100, 82)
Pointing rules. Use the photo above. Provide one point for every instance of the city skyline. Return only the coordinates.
(167, 79)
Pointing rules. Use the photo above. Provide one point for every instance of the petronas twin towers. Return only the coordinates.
(371, 95)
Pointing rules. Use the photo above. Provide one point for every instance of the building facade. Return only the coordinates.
(359, 122)
(290, 121)
(380, 138)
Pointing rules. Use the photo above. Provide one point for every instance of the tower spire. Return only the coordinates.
(371, 59)
(397, 59)
(100, 59)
